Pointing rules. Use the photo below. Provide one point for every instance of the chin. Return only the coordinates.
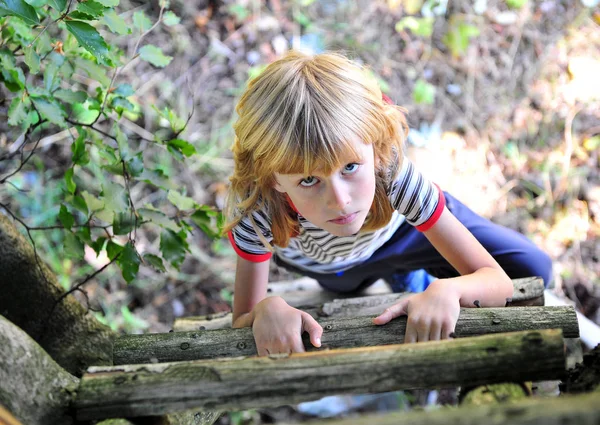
(347, 230)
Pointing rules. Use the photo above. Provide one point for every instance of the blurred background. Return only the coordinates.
(503, 102)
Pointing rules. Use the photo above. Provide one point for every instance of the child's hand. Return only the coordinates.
(278, 328)
(432, 314)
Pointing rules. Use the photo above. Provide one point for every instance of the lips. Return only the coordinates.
(344, 219)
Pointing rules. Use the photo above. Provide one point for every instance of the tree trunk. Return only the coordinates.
(67, 332)
(34, 388)
(276, 380)
(337, 333)
(38, 350)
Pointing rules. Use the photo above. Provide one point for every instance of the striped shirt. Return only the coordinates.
(415, 200)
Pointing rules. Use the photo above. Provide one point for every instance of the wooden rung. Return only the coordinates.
(337, 333)
(564, 410)
(527, 291)
(156, 389)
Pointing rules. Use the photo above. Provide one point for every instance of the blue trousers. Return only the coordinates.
(402, 259)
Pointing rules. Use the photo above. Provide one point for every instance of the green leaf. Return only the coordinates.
(124, 90)
(155, 261)
(65, 217)
(94, 204)
(419, 26)
(91, 40)
(141, 21)
(182, 146)
(424, 93)
(80, 155)
(173, 247)
(71, 186)
(50, 110)
(123, 223)
(159, 218)
(32, 60)
(113, 249)
(14, 79)
(180, 201)
(71, 96)
(203, 220)
(93, 71)
(155, 56)
(170, 19)
(91, 8)
(59, 5)
(109, 3)
(121, 104)
(115, 197)
(17, 111)
(129, 262)
(22, 29)
(79, 203)
(73, 247)
(82, 113)
(21, 9)
(458, 37)
(98, 245)
(135, 165)
(116, 23)
(84, 234)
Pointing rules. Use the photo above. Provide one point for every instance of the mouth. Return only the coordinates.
(344, 219)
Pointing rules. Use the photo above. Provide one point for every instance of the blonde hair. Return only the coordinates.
(299, 115)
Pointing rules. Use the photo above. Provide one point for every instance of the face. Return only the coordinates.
(338, 202)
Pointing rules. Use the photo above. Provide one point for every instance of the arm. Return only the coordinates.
(433, 314)
(251, 281)
(481, 278)
(276, 326)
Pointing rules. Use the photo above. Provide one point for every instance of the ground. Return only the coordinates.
(512, 128)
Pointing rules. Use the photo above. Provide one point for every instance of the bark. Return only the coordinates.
(270, 381)
(337, 333)
(571, 410)
(319, 303)
(68, 333)
(34, 388)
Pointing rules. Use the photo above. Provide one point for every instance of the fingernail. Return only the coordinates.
(318, 341)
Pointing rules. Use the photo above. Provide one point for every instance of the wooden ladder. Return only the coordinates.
(214, 368)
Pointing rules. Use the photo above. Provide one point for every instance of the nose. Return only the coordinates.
(339, 195)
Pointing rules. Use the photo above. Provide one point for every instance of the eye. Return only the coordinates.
(308, 182)
(351, 168)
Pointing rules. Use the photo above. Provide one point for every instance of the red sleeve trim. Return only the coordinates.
(255, 258)
(436, 214)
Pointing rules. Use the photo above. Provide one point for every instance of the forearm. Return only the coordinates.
(489, 286)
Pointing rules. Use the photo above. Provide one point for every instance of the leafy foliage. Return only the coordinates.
(44, 52)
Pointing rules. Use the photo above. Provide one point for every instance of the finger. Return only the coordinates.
(423, 332)
(262, 351)
(410, 336)
(435, 331)
(297, 345)
(396, 310)
(447, 332)
(310, 325)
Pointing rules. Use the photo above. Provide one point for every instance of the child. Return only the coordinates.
(321, 184)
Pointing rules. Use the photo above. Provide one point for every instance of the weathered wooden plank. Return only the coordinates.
(337, 333)
(527, 291)
(568, 410)
(153, 389)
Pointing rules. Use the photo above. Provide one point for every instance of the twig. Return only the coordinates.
(23, 161)
(562, 186)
